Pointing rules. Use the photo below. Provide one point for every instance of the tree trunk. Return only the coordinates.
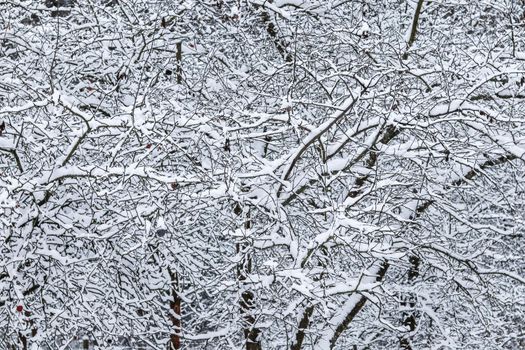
(409, 317)
(246, 303)
(175, 312)
(179, 62)
(303, 325)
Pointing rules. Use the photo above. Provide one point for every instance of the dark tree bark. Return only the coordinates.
(179, 62)
(280, 44)
(409, 318)
(357, 308)
(303, 326)
(175, 312)
(413, 30)
(246, 303)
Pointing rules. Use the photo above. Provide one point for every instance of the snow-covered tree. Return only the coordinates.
(251, 174)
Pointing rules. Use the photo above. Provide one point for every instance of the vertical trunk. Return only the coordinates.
(175, 312)
(303, 325)
(179, 62)
(409, 318)
(246, 303)
(251, 333)
(31, 324)
(23, 341)
(280, 43)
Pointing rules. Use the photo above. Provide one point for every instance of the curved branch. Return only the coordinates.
(313, 136)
